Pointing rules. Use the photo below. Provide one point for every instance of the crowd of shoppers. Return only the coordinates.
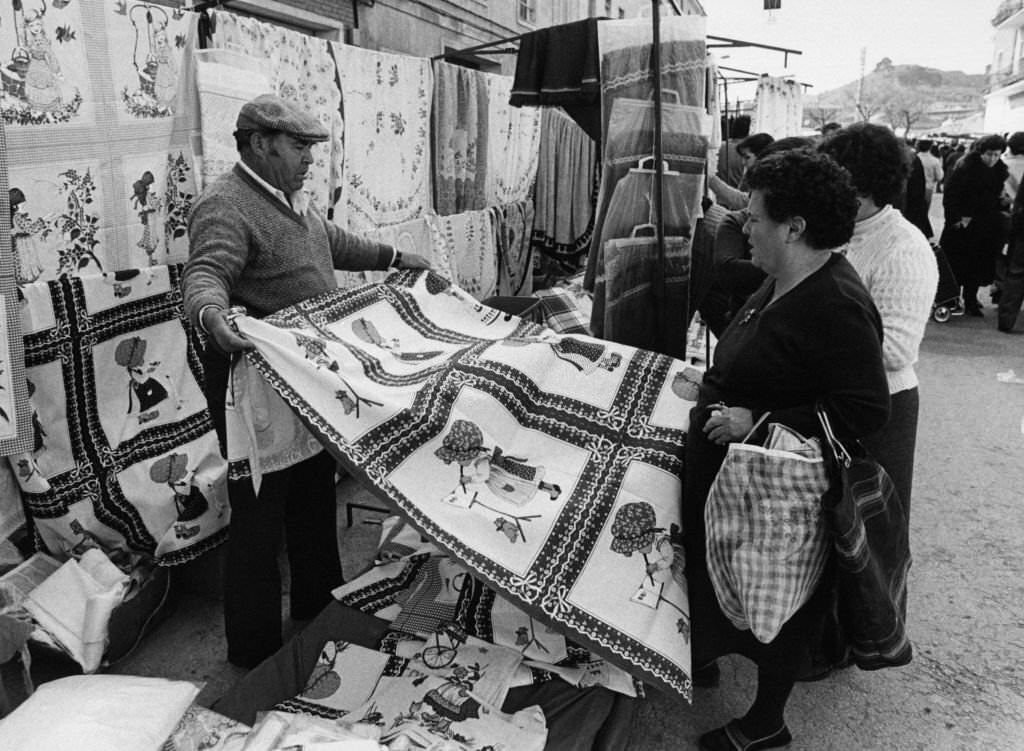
(786, 275)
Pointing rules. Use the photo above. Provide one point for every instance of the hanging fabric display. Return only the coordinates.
(513, 223)
(225, 80)
(387, 115)
(548, 465)
(566, 187)
(626, 198)
(124, 454)
(560, 66)
(303, 69)
(15, 418)
(629, 271)
(459, 121)
(631, 180)
(714, 103)
(97, 100)
(513, 145)
(778, 107)
(424, 236)
(472, 243)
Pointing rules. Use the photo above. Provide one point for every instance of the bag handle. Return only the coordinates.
(755, 426)
(842, 456)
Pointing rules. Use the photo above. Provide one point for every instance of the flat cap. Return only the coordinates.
(271, 112)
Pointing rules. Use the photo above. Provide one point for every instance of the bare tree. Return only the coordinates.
(866, 103)
(905, 106)
(818, 115)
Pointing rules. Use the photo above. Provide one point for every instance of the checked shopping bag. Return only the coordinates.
(766, 540)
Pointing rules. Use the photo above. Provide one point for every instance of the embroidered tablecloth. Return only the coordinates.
(302, 69)
(124, 454)
(549, 465)
(460, 133)
(513, 144)
(15, 421)
(387, 125)
(98, 100)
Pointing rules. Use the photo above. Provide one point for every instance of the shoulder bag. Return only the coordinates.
(870, 534)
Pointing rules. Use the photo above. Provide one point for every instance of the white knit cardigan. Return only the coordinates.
(897, 265)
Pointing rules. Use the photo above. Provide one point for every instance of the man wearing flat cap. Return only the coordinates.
(255, 241)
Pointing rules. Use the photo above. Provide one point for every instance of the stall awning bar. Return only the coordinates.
(730, 42)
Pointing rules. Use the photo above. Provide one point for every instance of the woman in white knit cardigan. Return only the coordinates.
(897, 265)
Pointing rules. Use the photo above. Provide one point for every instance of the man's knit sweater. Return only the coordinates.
(898, 267)
(248, 248)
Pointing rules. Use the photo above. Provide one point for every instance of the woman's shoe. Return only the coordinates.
(729, 737)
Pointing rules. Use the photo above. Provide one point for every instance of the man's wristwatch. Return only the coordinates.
(397, 260)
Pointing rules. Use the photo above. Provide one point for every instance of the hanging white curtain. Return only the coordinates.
(778, 107)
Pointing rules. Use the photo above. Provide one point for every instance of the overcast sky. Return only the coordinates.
(943, 34)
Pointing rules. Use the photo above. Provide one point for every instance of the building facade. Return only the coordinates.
(450, 28)
(1004, 102)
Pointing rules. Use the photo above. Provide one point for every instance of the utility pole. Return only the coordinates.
(860, 81)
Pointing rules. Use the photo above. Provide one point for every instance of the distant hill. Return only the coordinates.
(907, 97)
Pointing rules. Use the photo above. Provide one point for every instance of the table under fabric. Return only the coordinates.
(578, 719)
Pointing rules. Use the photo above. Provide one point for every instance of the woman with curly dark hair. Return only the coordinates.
(749, 149)
(809, 334)
(733, 270)
(975, 230)
(897, 265)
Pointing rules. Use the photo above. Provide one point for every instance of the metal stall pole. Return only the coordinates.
(658, 285)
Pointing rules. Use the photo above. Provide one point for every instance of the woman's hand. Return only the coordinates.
(728, 424)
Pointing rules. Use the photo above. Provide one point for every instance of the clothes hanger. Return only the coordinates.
(646, 166)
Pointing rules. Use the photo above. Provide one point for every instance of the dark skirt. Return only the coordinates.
(893, 446)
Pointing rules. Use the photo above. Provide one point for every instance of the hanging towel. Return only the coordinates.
(778, 107)
(513, 225)
(566, 188)
(560, 65)
(460, 138)
(513, 145)
(226, 80)
(473, 245)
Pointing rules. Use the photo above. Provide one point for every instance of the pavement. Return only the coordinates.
(964, 689)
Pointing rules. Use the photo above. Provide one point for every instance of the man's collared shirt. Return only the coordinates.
(298, 201)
